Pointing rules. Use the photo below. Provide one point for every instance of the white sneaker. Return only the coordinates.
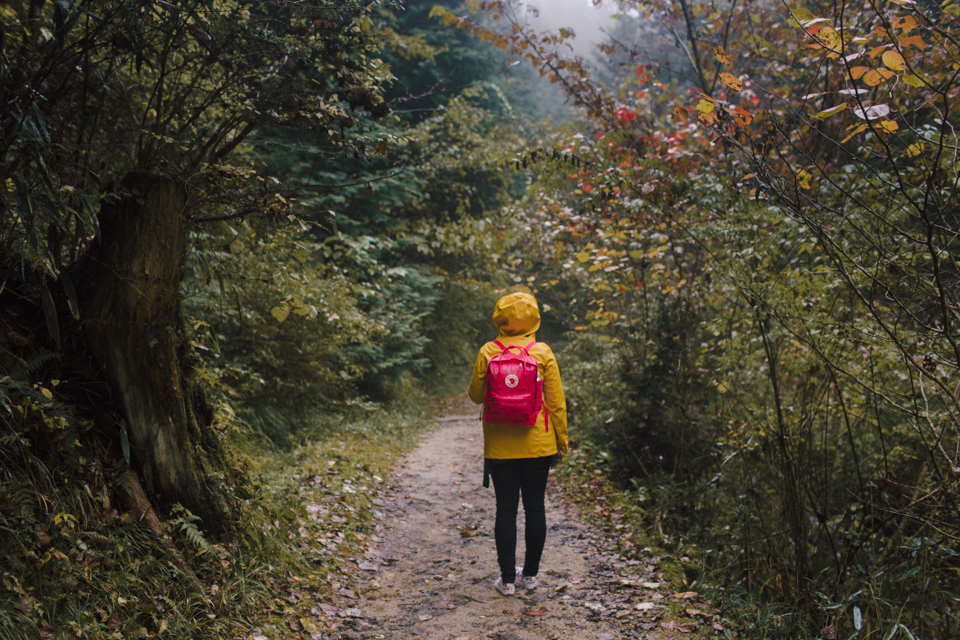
(528, 582)
(505, 589)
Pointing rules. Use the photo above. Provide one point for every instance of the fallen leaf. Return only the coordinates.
(368, 566)
(644, 606)
(686, 595)
(717, 626)
(621, 614)
(424, 617)
(329, 609)
(353, 612)
(686, 627)
(535, 611)
(561, 588)
(650, 585)
(294, 625)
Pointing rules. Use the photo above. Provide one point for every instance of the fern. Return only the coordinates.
(32, 364)
(185, 522)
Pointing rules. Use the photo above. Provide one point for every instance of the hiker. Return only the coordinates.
(524, 431)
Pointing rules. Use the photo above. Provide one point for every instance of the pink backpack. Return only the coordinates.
(514, 389)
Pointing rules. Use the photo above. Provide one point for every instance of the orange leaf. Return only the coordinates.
(894, 60)
(856, 72)
(875, 76)
(731, 81)
(721, 55)
(916, 41)
(707, 118)
(878, 50)
(742, 117)
(907, 24)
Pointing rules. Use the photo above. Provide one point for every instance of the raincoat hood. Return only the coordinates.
(516, 315)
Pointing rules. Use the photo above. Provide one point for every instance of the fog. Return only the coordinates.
(586, 20)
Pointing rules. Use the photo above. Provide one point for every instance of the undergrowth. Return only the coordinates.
(75, 563)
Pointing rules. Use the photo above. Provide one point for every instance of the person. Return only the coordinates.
(519, 458)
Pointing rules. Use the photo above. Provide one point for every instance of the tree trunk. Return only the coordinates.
(130, 307)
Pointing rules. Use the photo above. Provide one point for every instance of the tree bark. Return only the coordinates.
(130, 308)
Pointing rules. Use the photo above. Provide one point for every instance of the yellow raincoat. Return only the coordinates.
(517, 318)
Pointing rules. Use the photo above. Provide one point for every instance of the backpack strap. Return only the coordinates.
(504, 348)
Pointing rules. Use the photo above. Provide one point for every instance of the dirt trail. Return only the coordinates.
(431, 576)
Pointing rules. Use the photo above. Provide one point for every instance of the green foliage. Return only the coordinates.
(456, 329)
(778, 283)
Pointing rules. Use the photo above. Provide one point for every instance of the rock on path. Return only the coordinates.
(432, 575)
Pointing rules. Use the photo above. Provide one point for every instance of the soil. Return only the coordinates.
(430, 569)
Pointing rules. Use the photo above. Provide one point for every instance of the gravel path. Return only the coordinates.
(430, 572)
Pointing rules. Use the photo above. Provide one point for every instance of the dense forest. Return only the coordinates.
(239, 237)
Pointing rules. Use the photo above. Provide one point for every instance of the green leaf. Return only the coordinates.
(71, 294)
(50, 313)
(280, 313)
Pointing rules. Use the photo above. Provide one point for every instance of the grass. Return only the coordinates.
(66, 572)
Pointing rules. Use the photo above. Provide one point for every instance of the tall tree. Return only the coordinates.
(117, 124)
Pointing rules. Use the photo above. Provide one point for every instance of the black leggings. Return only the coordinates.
(511, 478)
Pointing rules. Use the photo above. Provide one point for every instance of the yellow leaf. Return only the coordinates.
(721, 55)
(46, 393)
(894, 60)
(830, 38)
(915, 149)
(706, 105)
(636, 255)
(731, 81)
(804, 179)
(236, 246)
(826, 113)
(798, 15)
(280, 313)
(888, 126)
(583, 256)
(860, 128)
(912, 80)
